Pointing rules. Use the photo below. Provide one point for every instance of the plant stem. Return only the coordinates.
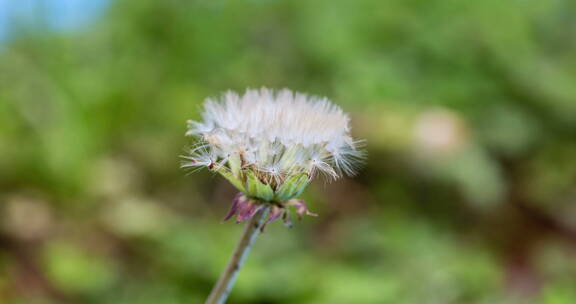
(220, 292)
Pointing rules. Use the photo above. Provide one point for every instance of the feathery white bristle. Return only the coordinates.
(276, 133)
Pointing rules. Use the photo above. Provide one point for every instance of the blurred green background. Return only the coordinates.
(468, 109)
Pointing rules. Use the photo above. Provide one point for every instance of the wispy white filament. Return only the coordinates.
(276, 133)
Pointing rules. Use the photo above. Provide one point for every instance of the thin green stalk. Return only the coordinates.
(227, 279)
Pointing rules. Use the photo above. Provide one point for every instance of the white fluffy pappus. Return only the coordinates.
(275, 134)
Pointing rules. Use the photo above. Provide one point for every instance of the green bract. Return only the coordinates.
(248, 182)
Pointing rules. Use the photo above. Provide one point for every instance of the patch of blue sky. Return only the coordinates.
(53, 15)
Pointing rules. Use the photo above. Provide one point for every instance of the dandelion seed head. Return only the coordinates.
(274, 134)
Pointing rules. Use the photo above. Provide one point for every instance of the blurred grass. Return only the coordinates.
(468, 196)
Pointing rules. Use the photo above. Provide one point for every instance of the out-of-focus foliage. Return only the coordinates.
(468, 195)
